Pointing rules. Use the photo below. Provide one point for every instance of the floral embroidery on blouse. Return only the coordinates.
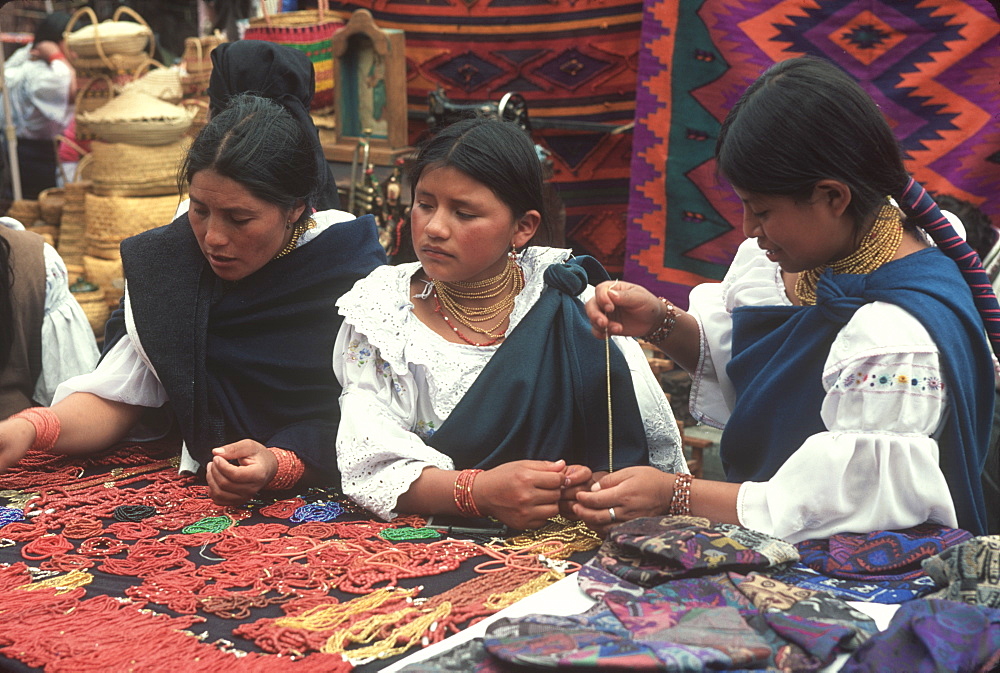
(885, 381)
(357, 353)
(424, 429)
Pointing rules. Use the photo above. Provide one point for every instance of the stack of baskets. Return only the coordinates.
(106, 56)
(196, 66)
(139, 145)
(73, 225)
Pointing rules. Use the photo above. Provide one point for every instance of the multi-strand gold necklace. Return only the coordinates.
(294, 240)
(504, 287)
(877, 247)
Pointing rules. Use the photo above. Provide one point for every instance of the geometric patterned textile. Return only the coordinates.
(931, 65)
(574, 61)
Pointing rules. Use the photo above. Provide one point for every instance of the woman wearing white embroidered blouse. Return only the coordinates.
(441, 410)
(821, 352)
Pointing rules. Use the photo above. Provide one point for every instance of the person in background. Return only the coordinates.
(41, 83)
(844, 353)
(471, 385)
(45, 337)
(229, 317)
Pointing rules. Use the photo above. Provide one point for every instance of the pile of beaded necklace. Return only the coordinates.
(504, 286)
(296, 233)
(877, 247)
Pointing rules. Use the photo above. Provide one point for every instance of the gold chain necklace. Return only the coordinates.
(877, 247)
(508, 283)
(294, 240)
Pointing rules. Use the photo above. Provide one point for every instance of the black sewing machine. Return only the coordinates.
(443, 111)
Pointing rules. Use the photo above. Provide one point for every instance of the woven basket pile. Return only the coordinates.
(91, 299)
(137, 118)
(72, 228)
(106, 56)
(25, 211)
(196, 63)
(110, 220)
(124, 169)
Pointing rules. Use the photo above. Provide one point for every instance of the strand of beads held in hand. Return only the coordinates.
(162, 523)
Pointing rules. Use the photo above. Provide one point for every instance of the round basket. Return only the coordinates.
(108, 274)
(120, 67)
(50, 204)
(90, 297)
(137, 118)
(25, 211)
(111, 219)
(110, 37)
(122, 169)
(162, 82)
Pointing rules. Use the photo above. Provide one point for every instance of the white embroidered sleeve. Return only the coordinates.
(379, 457)
(876, 466)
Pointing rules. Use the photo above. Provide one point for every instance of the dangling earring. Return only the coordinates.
(513, 252)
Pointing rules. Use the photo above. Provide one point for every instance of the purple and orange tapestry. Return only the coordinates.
(932, 65)
(575, 63)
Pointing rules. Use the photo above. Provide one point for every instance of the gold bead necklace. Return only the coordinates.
(877, 247)
(508, 283)
(294, 240)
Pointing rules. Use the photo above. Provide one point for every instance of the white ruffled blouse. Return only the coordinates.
(401, 380)
(876, 465)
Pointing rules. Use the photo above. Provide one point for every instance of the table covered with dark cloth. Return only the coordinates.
(116, 561)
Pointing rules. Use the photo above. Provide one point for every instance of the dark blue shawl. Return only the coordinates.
(543, 395)
(251, 358)
(779, 353)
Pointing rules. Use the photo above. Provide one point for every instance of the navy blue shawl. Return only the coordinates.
(779, 353)
(543, 395)
(251, 358)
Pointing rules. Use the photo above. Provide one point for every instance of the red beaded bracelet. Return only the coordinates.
(46, 424)
(463, 493)
(680, 503)
(290, 469)
(667, 326)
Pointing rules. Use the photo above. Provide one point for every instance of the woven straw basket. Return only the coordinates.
(196, 62)
(162, 82)
(50, 205)
(25, 211)
(108, 274)
(122, 169)
(111, 219)
(109, 37)
(90, 297)
(138, 118)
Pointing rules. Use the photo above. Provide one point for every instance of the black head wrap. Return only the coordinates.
(52, 27)
(281, 73)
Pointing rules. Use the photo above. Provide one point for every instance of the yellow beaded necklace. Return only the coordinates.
(294, 240)
(877, 247)
(507, 285)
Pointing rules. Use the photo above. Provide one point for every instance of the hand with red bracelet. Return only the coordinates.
(523, 494)
(16, 437)
(230, 484)
(631, 492)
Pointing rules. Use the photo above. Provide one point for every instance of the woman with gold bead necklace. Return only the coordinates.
(471, 384)
(844, 354)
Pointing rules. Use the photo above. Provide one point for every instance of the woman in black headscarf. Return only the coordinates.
(273, 71)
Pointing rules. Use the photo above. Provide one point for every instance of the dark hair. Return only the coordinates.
(52, 27)
(259, 144)
(6, 305)
(805, 120)
(497, 153)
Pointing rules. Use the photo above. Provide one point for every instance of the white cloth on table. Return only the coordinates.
(126, 374)
(68, 344)
(876, 465)
(401, 380)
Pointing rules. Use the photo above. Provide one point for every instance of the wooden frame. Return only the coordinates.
(369, 90)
